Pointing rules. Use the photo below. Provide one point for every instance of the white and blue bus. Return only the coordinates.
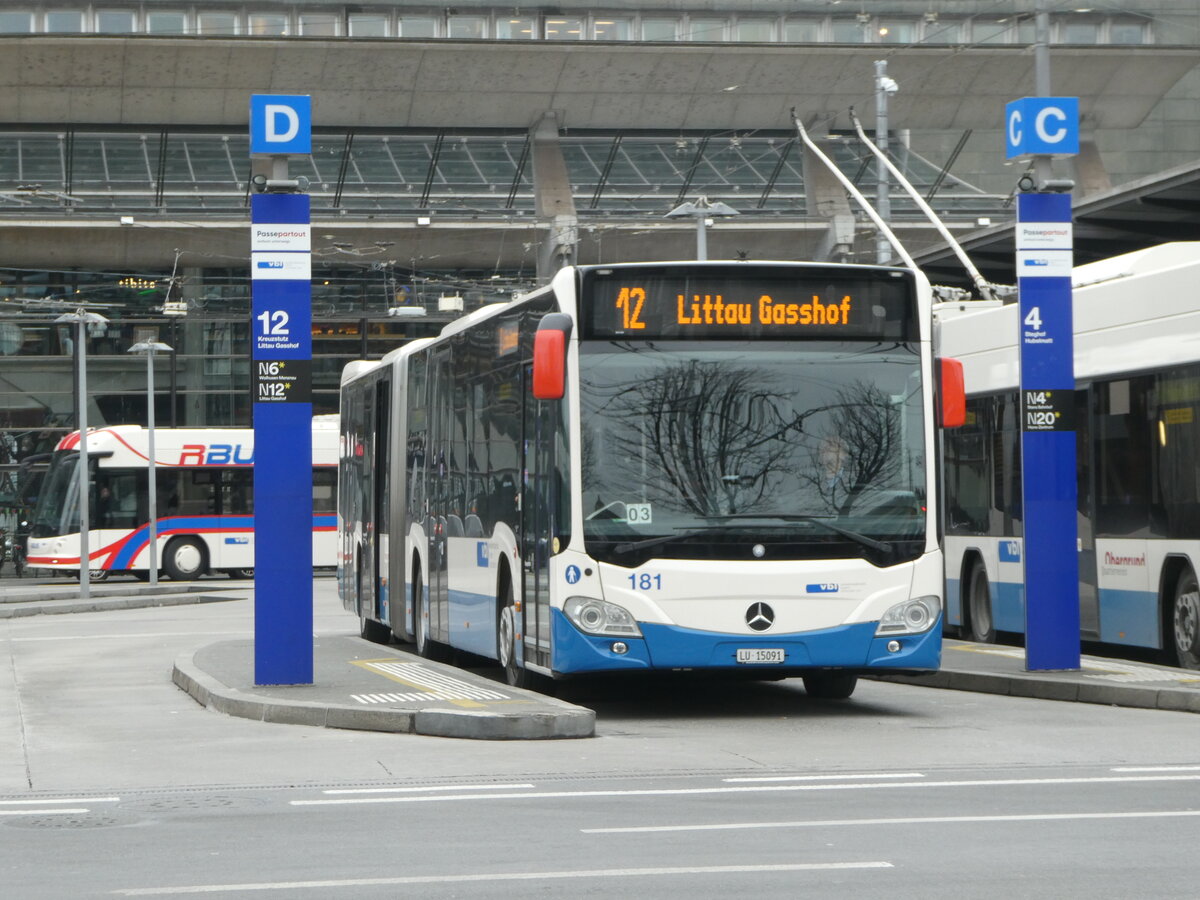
(204, 483)
(662, 466)
(1137, 415)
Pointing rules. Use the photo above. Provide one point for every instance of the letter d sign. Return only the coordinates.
(280, 125)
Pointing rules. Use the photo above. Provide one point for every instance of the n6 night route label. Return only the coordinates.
(282, 381)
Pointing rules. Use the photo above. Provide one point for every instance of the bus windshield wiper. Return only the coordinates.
(823, 521)
(630, 546)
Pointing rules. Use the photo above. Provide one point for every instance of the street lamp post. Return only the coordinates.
(702, 210)
(149, 348)
(81, 319)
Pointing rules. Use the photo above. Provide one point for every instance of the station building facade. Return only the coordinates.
(460, 154)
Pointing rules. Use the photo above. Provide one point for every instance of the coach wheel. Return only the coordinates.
(185, 559)
(240, 573)
(1185, 618)
(96, 575)
(506, 640)
(979, 602)
(426, 646)
(830, 685)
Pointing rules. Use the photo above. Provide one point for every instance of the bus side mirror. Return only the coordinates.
(952, 390)
(550, 356)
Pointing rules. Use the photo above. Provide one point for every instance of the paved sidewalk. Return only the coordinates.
(51, 596)
(993, 669)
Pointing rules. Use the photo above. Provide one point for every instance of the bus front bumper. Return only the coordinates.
(669, 647)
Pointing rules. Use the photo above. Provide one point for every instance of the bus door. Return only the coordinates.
(381, 396)
(537, 504)
(367, 564)
(438, 462)
(1089, 603)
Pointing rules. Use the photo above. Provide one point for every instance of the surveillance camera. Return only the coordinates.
(1026, 183)
(259, 183)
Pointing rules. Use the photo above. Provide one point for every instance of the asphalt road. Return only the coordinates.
(115, 783)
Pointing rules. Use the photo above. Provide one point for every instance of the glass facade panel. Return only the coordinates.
(660, 29)
(893, 32)
(941, 31)
(115, 21)
(992, 31)
(849, 31)
(267, 25)
(318, 24)
(516, 28)
(218, 23)
(802, 31)
(611, 28)
(367, 25)
(417, 27)
(707, 28)
(1080, 32)
(16, 22)
(754, 30)
(64, 21)
(469, 27)
(564, 28)
(166, 23)
(1126, 33)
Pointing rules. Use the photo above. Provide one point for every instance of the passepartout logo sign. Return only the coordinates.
(1044, 236)
(280, 237)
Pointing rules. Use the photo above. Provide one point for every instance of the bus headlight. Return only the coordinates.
(600, 617)
(910, 617)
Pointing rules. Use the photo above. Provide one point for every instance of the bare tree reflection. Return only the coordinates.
(720, 435)
(861, 448)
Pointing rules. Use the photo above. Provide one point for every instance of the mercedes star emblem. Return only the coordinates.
(760, 617)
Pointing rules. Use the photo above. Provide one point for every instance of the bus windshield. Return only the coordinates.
(732, 449)
(57, 512)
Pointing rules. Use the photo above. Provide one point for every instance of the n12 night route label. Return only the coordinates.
(1048, 410)
(282, 381)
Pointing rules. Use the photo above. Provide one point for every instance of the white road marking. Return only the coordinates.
(443, 787)
(1155, 769)
(60, 800)
(927, 820)
(43, 812)
(438, 685)
(501, 876)
(767, 778)
(774, 788)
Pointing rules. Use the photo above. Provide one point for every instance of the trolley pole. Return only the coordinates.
(1041, 128)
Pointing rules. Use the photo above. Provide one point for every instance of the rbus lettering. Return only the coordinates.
(238, 459)
(710, 310)
(192, 455)
(815, 313)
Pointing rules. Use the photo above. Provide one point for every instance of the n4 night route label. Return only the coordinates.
(282, 381)
(1048, 410)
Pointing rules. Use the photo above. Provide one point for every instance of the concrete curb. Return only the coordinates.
(14, 610)
(1042, 688)
(564, 720)
(34, 594)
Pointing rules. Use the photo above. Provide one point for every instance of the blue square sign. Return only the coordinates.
(1041, 126)
(280, 124)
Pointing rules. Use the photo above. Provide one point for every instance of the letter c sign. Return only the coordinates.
(280, 124)
(1042, 126)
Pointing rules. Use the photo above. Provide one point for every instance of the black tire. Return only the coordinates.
(506, 640)
(375, 632)
(830, 685)
(185, 559)
(95, 576)
(1183, 625)
(981, 623)
(240, 573)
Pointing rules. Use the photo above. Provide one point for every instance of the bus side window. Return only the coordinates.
(324, 490)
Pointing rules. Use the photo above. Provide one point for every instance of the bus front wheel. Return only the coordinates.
(830, 685)
(506, 641)
(185, 559)
(1185, 620)
(979, 602)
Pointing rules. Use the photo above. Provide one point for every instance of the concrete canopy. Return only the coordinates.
(154, 81)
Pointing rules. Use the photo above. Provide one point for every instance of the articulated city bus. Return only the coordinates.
(205, 502)
(677, 466)
(1137, 421)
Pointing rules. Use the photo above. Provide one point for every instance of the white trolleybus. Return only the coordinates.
(676, 466)
(205, 502)
(1137, 415)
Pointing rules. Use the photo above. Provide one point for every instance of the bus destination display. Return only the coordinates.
(646, 304)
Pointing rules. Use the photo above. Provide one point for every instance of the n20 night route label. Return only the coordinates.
(1048, 410)
(282, 381)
